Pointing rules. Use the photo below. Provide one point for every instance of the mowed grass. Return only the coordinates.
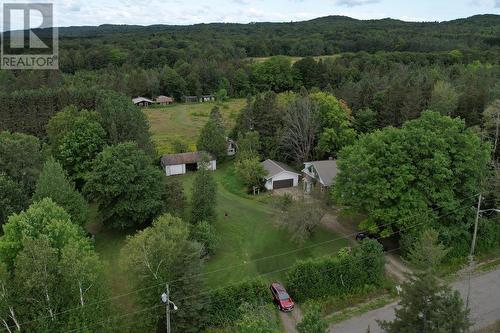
(183, 121)
(251, 243)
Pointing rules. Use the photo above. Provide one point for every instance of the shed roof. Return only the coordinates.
(163, 98)
(326, 170)
(141, 99)
(273, 168)
(184, 158)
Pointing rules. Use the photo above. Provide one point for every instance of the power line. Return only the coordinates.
(245, 263)
(291, 266)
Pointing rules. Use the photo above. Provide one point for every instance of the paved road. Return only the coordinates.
(484, 301)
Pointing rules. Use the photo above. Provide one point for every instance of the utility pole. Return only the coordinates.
(496, 133)
(165, 298)
(472, 248)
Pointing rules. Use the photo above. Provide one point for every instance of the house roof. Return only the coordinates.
(141, 99)
(163, 98)
(273, 168)
(184, 158)
(326, 170)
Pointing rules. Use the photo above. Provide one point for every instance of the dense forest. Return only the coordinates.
(388, 70)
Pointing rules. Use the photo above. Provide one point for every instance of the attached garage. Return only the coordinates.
(282, 183)
(279, 175)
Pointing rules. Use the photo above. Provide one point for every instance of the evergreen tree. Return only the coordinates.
(428, 306)
(204, 195)
(12, 197)
(53, 183)
(212, 137)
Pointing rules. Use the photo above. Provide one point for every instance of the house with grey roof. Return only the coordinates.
(179, 164)
(320, 173)
(279, 175)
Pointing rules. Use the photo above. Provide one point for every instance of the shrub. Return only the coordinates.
(312, 322)
(225, 303)
(205, 234)
(488, 235)
(340, 275)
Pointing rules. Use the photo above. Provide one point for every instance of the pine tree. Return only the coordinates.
(428, 306)
(203, 198)
(212, 137)
(53, 183)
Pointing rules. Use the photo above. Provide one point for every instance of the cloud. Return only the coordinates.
(354, 3)
(484, 3)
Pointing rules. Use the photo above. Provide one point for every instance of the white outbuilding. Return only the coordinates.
(178, 164)
(279, 175)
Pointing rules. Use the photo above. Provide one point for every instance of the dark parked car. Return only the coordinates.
(365, 234)
(281, 297)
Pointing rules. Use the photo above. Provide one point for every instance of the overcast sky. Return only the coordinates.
(146, 12)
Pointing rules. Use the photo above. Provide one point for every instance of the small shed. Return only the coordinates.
(279, 175)
(142, 101)
(164, 100)
(207, 98)
(179, 164)
(190, 99)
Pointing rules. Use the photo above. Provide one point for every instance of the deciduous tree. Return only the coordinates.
(79, 147)
(444, 98)
(157, 255)
(127, 188)
(385, 176)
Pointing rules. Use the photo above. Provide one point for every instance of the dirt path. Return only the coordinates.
(289, 320)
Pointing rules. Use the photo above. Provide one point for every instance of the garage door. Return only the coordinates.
(283, 183)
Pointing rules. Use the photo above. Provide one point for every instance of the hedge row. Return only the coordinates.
(346, 273)
(224, 307)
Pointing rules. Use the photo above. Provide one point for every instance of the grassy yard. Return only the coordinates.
(183, 121)
(250, 233)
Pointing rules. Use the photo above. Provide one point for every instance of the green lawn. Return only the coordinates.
(183, 121)
(250, 233)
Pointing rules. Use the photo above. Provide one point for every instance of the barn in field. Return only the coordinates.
(279, 175)
(179, 164)
(164, 100)
(142, 101)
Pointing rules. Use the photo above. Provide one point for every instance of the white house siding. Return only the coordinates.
(213, 165)
(282, 176)
(178, 169)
